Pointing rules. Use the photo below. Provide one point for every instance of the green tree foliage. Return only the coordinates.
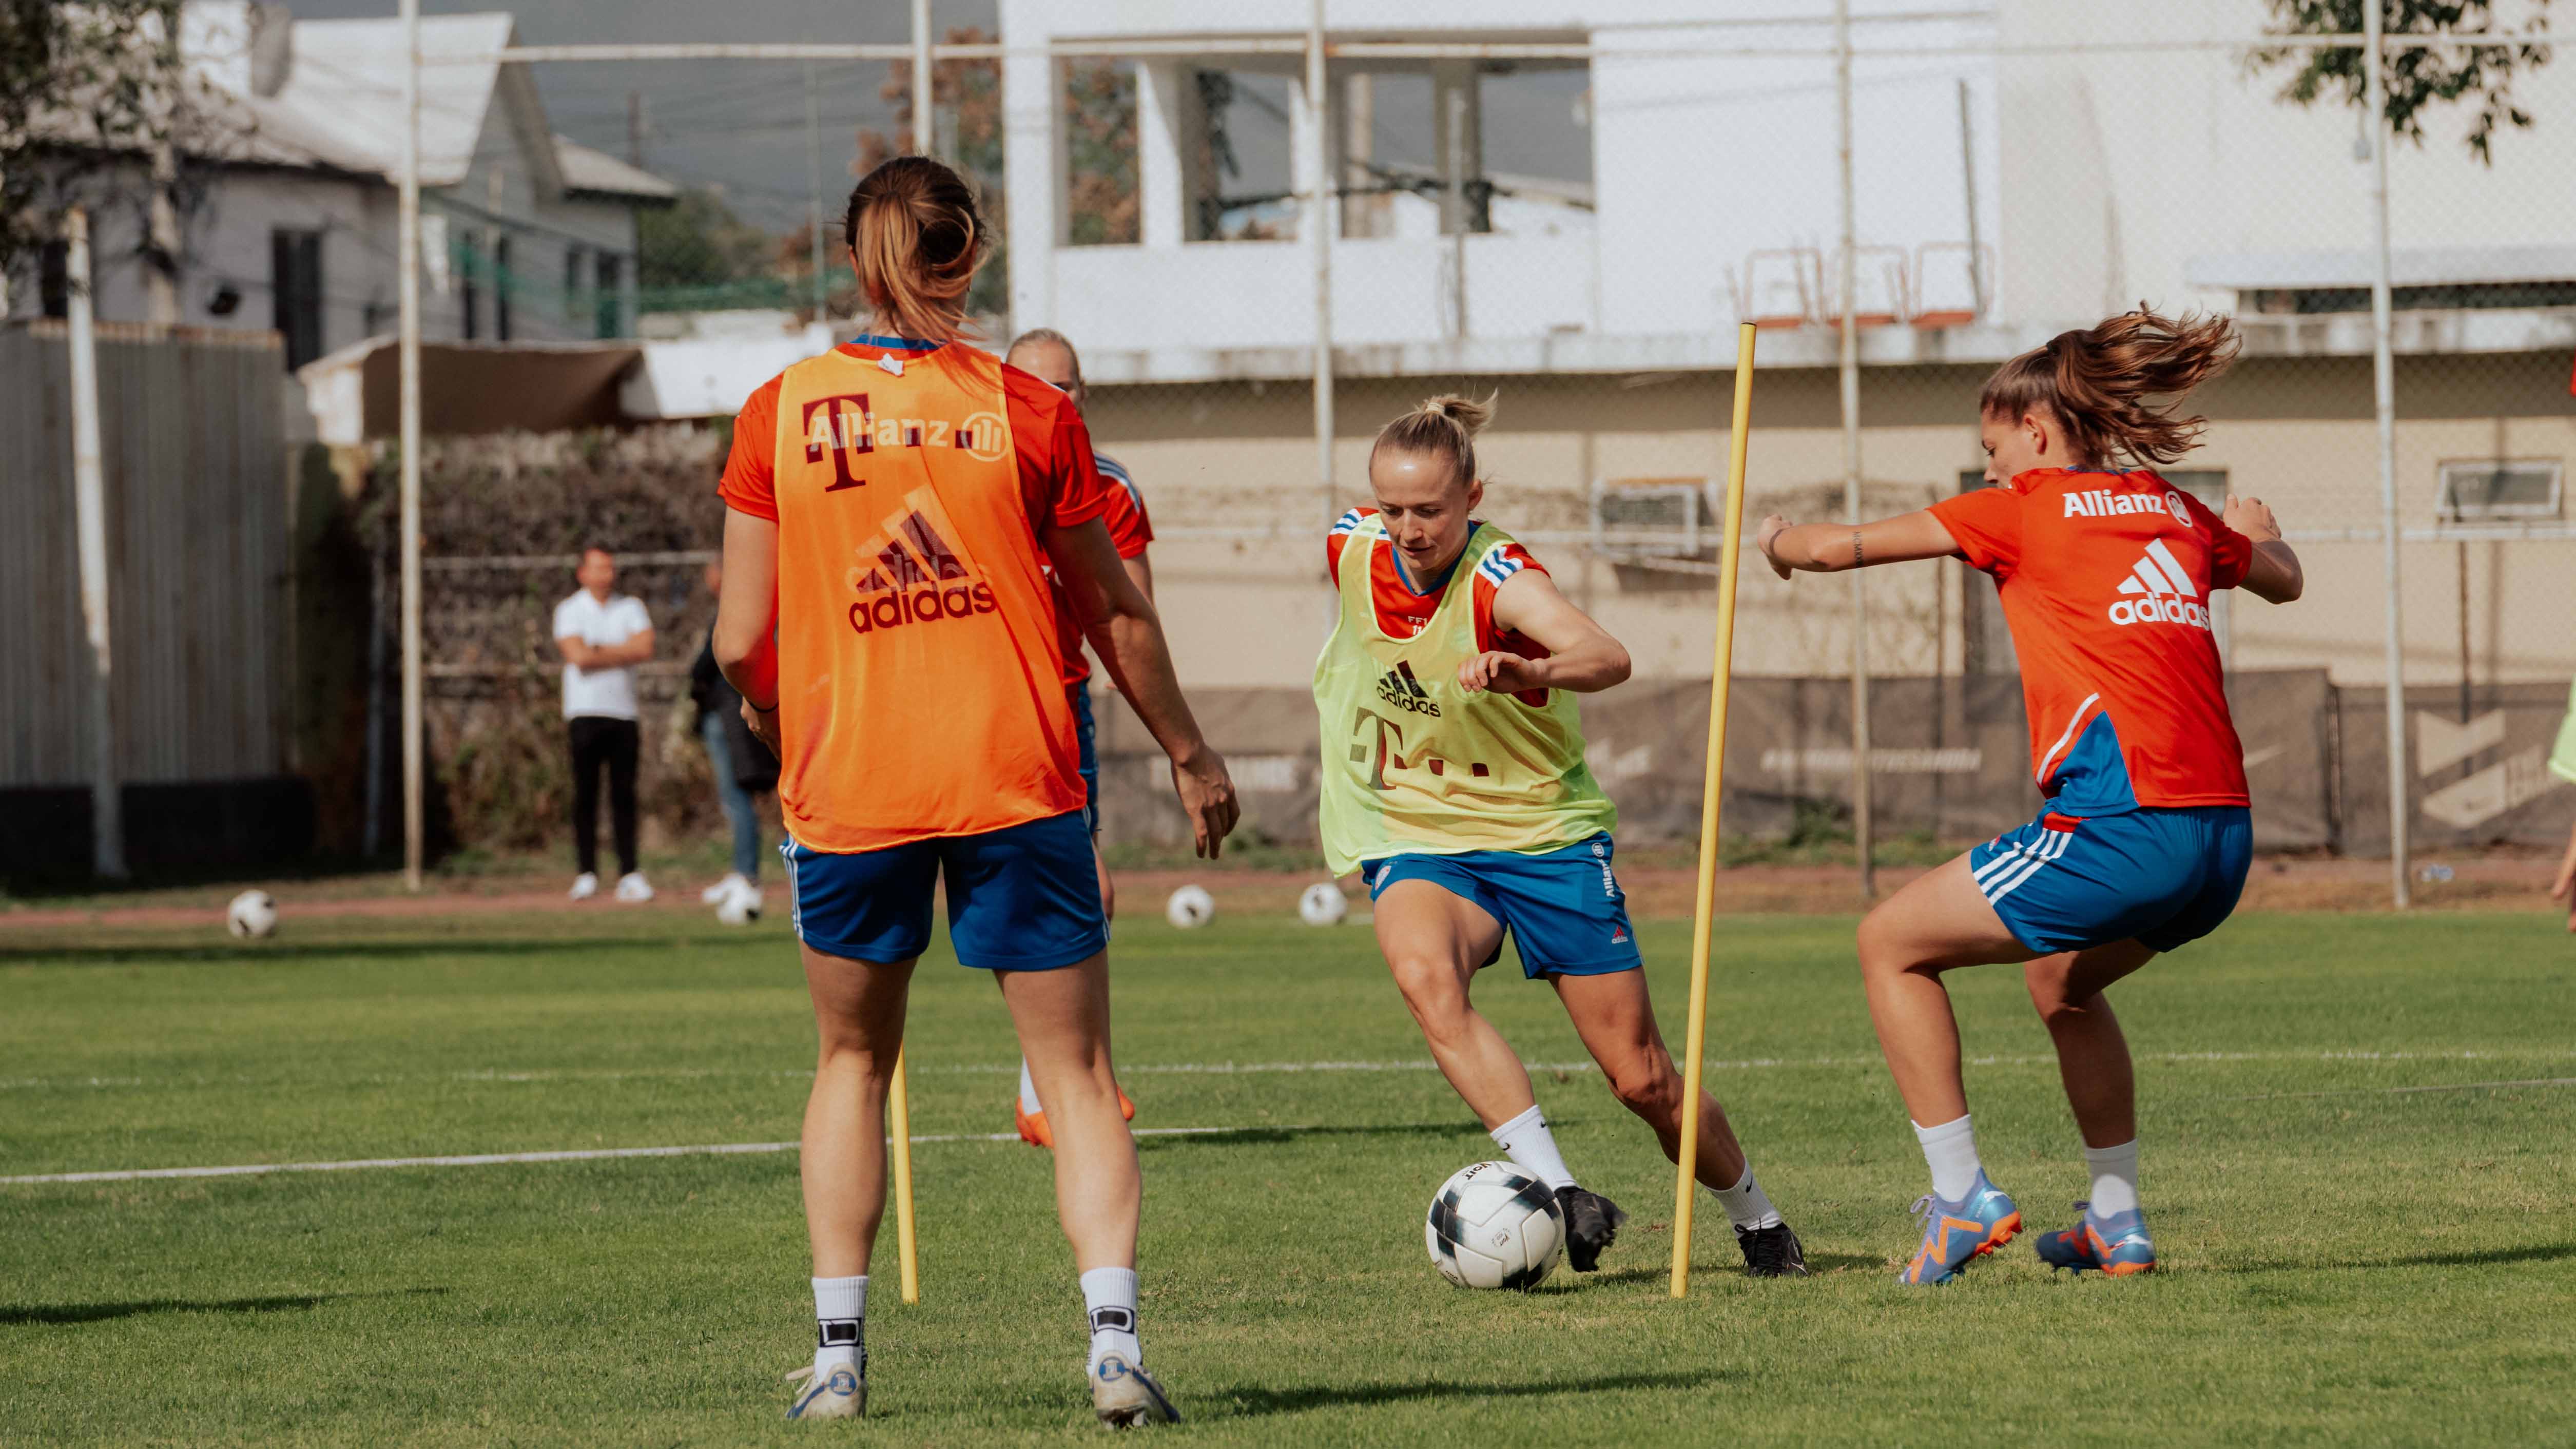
(698, 252)
(2418, 79)
(83, 88)
(1100, 135)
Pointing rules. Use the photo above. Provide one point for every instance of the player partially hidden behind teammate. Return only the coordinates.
(892, 506)
(2106, 576)
(1046, 354)
(1453, 778)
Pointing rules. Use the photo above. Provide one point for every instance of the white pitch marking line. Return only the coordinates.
(490, 1159)
(2393, 1091)
(1745, 1064)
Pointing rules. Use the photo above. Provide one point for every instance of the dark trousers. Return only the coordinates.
(596, 741)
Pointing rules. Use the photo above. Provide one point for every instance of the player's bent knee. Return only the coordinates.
(1652, 1090)
(1883, 949)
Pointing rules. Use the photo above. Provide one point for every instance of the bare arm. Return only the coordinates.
(1128, 635)
(638, 649)
(2564, 887)
(2273, 574)
(1581, 655)
(578, 652)
(746, 635)
(1140, 571)
(1830, 548)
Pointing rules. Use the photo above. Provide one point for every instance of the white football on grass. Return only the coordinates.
(1323, 904)
(1492, 1225)
(1190, 906)
(251, 915)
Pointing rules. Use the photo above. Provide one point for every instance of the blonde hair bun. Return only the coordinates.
(1444, 426)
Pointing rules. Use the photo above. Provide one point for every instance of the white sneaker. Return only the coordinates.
(632, 887)
(742, 906)
(584, 886)
(714, 895)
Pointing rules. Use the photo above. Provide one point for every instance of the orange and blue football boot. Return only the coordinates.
(1956, 1234)
(2117, 1245)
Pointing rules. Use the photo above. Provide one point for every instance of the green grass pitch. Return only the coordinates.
(2349, 1259)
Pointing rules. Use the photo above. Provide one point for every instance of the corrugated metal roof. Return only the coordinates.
(587, 170)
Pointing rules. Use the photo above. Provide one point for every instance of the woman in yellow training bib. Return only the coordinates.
(1453, 780)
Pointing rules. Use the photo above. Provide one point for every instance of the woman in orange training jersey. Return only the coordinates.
(2107, 574)
(892, 507)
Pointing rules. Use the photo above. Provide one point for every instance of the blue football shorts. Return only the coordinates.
(2162, 877)
(1021, 899)
(1562, 908)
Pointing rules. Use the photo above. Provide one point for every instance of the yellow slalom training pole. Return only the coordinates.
(1729, 561)
(899, 1104)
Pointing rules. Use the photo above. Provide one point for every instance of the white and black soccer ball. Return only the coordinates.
(1323, 904)
(251, 915)
(1494, 1226)
(1190, 906)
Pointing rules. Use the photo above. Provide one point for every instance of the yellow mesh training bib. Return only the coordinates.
(1412, 762)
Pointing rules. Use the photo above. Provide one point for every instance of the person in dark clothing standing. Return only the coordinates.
(603, 635)
(743, 768)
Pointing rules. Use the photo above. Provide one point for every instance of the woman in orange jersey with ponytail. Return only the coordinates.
(892, 506)
(2107, 575)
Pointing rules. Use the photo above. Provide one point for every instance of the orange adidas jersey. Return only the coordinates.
(920, 679)
(2106, 581)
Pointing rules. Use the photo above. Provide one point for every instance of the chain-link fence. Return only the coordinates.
(1577, 220)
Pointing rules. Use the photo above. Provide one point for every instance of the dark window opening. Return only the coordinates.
(1236, 164)
(572, 288)
(295, 289)
(501, 284)
(610, 311)
(54, 279)
(469, 293)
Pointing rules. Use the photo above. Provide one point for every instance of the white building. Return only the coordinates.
(2083, 156)
(2004, 189)
(525, 235)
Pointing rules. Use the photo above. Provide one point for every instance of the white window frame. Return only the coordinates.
(2453, 470)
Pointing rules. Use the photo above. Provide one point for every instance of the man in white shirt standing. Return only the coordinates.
(603, 636)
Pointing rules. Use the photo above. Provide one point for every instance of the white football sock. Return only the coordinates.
(2115, 1178)
(1028, 1090)
(1747, 1205)
(840, 1319)
(1951, 1151)
(1109, 1296)
(1526, 1141)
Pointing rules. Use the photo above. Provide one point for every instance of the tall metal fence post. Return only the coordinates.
(408, 223)
(89, 512)
(1319, 216)
(925, 113)
(814, 186)
(1864, 832)
(2383, 370)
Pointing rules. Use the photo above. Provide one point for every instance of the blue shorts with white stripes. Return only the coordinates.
(2162, 877)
